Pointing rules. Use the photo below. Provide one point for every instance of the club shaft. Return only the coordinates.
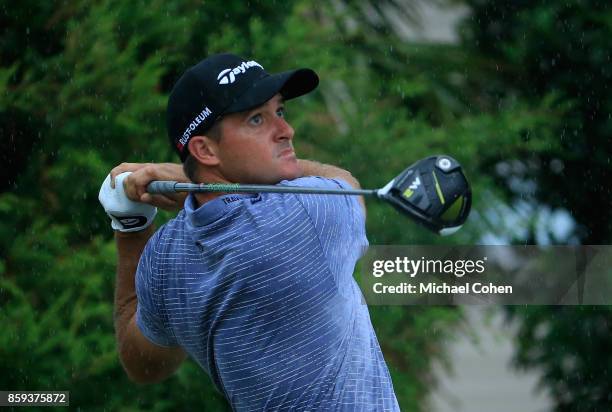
(165, 186)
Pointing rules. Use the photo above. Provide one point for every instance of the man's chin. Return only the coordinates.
(291, 170)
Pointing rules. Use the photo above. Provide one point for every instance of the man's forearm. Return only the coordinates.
(129, 249)
(313, 168)
(143, 361)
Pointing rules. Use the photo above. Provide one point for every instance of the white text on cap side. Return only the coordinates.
(193, 125)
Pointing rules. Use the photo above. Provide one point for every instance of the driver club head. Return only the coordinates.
(434, 192)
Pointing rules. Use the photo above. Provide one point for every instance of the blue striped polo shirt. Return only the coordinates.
(259, 291)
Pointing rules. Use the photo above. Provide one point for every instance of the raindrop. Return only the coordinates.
(556, 166)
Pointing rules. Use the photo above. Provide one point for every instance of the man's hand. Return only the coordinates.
(126, 215)
(135, 184)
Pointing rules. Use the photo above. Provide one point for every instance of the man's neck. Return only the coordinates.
(202, 198)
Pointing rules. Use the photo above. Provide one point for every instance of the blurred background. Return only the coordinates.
(517, 91)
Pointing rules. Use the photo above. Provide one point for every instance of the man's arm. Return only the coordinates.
(312, 168)
(143, 361)
(143, 173)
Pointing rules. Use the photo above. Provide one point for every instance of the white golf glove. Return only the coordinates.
(126, 215)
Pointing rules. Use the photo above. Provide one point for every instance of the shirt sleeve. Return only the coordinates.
(149, 316)
(339, 222)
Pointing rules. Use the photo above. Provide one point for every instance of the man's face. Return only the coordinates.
(256, 145)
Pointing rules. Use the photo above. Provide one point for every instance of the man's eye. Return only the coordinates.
(281, 112)
(256, 120)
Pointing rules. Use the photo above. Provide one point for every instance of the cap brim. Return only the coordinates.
(290, 84)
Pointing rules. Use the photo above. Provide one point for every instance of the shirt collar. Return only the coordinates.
(213, 209)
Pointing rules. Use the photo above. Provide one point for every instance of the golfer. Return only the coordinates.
(258, 289)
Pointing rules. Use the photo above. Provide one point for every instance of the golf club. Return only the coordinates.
(434, 192)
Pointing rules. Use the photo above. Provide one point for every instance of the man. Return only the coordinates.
(257, 289)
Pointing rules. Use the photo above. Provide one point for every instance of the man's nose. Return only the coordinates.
(284, 131)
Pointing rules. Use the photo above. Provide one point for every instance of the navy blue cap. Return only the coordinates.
(223, 84)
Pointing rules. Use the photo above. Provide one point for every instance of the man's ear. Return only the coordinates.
(204, 149)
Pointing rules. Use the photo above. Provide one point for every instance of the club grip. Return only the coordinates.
(161, 186)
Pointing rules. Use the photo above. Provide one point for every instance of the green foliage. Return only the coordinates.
(569, 345)
(544, 47)
(409, 351)
(561, 48)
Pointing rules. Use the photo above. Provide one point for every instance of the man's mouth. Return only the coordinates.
(287, 153)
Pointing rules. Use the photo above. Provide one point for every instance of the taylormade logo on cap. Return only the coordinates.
(193, 125)
(228, 76)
